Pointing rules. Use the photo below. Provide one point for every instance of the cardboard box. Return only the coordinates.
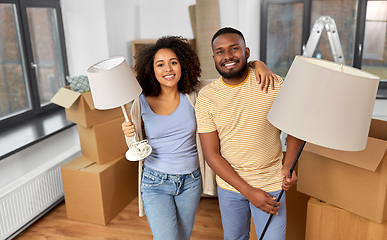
(80, 108)
(326, 222)
(96, 193)
(103, 142)
(354, 181)
(296, 205)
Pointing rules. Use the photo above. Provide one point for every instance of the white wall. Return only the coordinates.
(98, 29)
(122, 23)
(149, 19)
(85, 34)
(108, 27)
(167, 17)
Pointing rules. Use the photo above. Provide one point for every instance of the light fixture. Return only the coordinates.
(325, 103)
(112, 85)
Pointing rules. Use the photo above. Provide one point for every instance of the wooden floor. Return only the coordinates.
(126, 225)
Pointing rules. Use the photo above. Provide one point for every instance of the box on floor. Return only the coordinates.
(354, 181)
(96, 193)
(80, 108)
(103, 142)
(326, 222)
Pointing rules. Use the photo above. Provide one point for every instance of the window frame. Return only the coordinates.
(36, 110)
(358, 41)
(264, 23)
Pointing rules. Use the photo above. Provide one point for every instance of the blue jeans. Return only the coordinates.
(236, 212)
(170, 202)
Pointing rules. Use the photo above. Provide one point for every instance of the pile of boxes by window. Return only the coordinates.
(348, 189)
(101, 183)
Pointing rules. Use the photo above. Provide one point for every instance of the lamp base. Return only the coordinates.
(133, 156)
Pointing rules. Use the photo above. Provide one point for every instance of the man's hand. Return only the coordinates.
(293, 147)
(257, 197)
(287, 180)
(263, 201)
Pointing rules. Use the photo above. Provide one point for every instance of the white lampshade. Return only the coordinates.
(326, 104)
(112, 83)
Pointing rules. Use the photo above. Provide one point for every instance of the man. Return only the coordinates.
(241, 145)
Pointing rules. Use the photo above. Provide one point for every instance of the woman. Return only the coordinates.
(171, 176)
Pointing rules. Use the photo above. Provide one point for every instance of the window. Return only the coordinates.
(361, 26)
(33, 62)
(282, 30)
(374, 54)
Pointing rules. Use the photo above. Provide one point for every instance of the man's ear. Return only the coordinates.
(247, 52)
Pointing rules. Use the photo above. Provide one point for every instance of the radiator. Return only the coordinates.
(31, 196)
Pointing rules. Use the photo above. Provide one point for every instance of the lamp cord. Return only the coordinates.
(139, 149)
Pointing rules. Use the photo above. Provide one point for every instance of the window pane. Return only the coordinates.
(47, 52)
(14, 96)
(284, 36)
(375, 45)
(343, 13)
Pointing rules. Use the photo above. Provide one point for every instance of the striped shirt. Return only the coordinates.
(248, 141)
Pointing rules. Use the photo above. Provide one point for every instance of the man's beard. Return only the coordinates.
(233, 74)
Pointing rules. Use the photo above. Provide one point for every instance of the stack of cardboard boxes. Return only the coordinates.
(101, 183)
(352, 187)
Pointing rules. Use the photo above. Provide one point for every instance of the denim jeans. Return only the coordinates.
(236, 212)
(170, 202)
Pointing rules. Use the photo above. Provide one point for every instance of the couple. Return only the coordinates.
(224, 121)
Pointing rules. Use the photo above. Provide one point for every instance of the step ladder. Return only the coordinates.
(329, 24)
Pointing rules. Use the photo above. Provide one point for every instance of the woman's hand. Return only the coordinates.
(264, 75)
(128, 129)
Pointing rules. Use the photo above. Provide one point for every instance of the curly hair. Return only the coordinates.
(189, 62)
